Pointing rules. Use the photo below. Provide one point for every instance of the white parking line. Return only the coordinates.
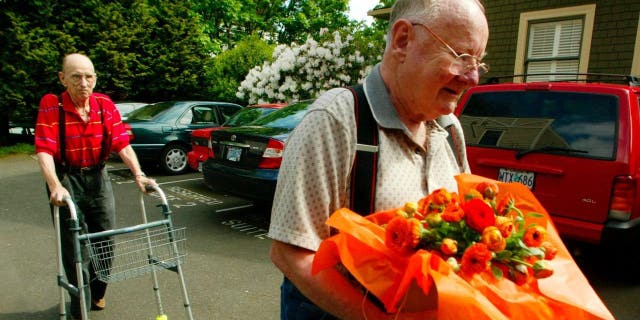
(184, 180)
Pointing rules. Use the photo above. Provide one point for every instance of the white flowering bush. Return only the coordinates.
(305, 71)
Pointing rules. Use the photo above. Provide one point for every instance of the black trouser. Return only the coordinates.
(95, 207)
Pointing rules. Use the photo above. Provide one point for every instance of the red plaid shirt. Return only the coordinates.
(83, 140)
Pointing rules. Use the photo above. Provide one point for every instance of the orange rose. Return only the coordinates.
(542, 269)
(453, 212)
(475, 259)
(519, 274)
(440, 197)
(434, 219)
(403, 235)
(549, 250)
(473, 194)
(478, 214)
(489, 190)
(493, 239)
(534, 236)
(437, 201)
(506, 204)
(505, 225)
(449, 246)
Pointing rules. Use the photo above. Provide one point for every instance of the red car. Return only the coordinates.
(573, 143)
(200, 138)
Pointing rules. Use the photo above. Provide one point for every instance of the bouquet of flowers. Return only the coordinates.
(489, 251)
(474, 234)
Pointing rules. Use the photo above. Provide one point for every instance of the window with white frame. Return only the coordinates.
(554, 41)
(554, 47)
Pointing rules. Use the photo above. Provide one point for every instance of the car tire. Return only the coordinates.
(173, 159)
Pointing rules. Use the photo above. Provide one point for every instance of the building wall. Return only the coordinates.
(613, 43)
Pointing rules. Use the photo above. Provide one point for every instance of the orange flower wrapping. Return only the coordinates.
(482, 278)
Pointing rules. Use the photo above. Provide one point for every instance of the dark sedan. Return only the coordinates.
(161, 132)
(247, 158)
(200, 148)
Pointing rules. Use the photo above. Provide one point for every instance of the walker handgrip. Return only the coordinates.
(72, 207)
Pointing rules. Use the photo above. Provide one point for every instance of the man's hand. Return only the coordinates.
(58, 194)
(142, 182)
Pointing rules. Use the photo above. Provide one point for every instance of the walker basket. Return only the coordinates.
(130, 255)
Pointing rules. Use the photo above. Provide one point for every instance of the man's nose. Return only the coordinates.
(472, 77)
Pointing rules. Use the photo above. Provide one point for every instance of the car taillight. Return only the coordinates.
(127, 129)
(272, 155)
(623, 194)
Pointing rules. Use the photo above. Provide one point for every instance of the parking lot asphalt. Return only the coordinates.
(227, 269)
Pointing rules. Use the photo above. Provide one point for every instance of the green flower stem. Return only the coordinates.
(521, 262)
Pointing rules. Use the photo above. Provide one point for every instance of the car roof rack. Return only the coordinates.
(633, 81)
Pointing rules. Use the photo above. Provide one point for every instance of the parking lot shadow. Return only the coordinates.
(51, 313)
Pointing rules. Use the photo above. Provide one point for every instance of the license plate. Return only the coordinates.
(234, 153)
(525, 177)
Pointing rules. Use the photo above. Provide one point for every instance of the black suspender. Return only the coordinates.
(106, 139)
(61, 129)
(365, 166)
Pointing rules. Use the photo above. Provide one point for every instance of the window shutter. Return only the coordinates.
(554, 47)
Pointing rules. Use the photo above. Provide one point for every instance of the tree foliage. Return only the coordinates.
(230, 67)
(150, 50)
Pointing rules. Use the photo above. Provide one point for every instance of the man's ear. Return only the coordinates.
(402, 34)
(61, 77)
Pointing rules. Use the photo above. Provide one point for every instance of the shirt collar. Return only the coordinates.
(382, 108)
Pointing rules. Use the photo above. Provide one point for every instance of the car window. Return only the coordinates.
(286, 118)
(524, 120)
(149, 112)
(246, 115)
(227, 111)
(199, 115)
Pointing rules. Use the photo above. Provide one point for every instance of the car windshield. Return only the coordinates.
(149, 112)
(286, 118)
(247, 115)
(582, 124)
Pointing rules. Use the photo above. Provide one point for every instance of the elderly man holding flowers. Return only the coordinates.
(433, 54)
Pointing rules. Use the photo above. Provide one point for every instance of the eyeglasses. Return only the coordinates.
(77, 77)
(463, 63)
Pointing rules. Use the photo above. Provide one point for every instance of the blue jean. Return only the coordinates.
(295, 306)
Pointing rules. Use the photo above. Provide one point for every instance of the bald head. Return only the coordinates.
(74, 59)
(78, 76)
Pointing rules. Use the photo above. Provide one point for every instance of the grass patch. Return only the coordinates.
(20, 148)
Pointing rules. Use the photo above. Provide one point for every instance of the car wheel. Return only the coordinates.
(173, 159)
